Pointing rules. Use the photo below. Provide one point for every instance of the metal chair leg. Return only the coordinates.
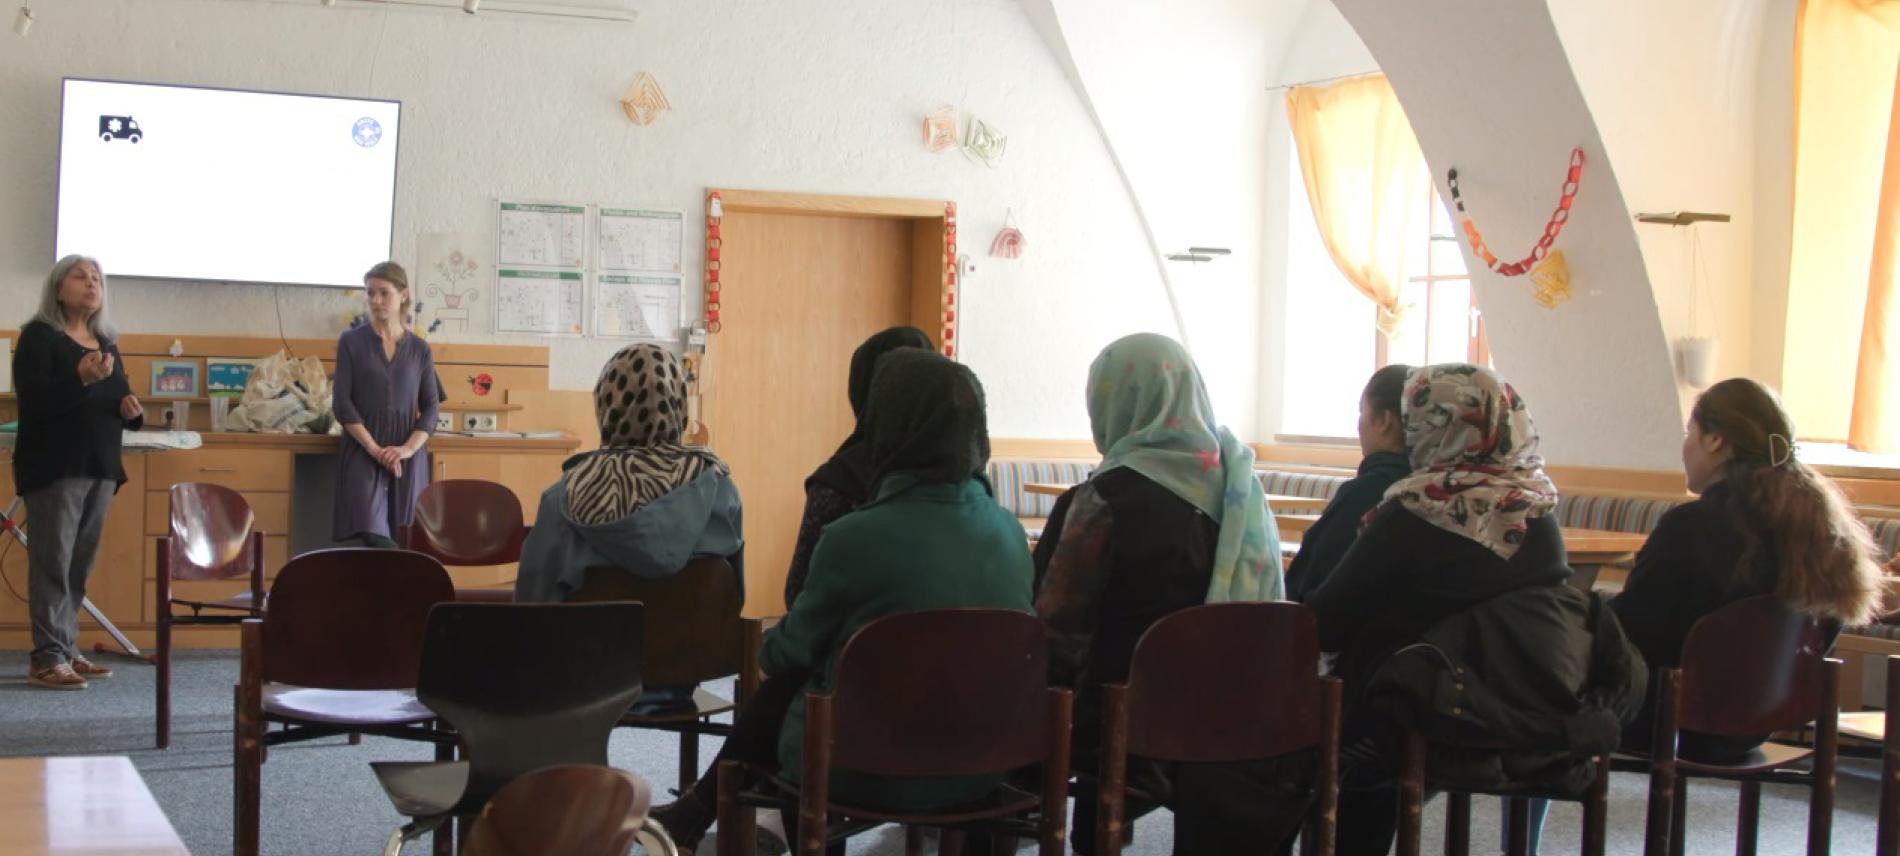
(654, 840)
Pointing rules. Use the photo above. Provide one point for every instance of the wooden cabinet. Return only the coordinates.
(262, 468)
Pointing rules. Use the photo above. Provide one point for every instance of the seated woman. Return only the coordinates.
(1173, 517)
(843, 482)
(1382, 441)
(642, 503)
(1471, 525)
(1763, 523)
(932, 537)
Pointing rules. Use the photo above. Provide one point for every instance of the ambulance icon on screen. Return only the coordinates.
(119, 128)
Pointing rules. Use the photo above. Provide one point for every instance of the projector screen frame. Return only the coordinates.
(395, 177)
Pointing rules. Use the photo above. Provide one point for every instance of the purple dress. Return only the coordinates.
(390, 398)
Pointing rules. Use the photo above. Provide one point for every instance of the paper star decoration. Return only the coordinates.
(644, 102)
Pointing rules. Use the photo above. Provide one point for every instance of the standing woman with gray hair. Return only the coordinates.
(74, 402)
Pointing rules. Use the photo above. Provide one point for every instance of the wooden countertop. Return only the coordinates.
(80, 805)
(317, 443)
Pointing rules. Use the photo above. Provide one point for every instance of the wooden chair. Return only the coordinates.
(466, 523)
(1750, 668)
(523, 686)
(1887, 841)
(942, 692)
(1271, 702)
(694, 634)
(213, 536)
(337, 653)
(575, 810)
(1413, 781)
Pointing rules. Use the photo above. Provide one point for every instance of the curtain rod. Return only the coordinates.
(1315, 82)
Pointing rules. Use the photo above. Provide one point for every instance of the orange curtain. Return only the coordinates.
(1365, 178)
(1846, 204)
(1876, 421)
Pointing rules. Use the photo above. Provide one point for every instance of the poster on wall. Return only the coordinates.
(631, 306)
(641, 240)
(453, 289)
(541, 235)
(539, 301)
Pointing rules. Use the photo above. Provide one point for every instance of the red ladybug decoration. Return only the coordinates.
(481, 383)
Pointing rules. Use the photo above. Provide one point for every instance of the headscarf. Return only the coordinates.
(1151, 414)
(640, 400)
(848, 471)
(1475, 467)
(924, 418)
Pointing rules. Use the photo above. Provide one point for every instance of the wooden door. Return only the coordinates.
(799, 294)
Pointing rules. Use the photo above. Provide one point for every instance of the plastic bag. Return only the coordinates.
(284, 396)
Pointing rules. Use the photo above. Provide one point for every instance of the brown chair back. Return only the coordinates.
(1750, 668)
(1226, 682)
(942, 692)
(576, 809)
(467, 522)
(693, 628)
(351, 618)
(211, 529)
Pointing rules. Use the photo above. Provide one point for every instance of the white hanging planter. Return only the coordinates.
(1695, 360)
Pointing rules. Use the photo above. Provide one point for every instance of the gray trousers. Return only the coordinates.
(64, 521)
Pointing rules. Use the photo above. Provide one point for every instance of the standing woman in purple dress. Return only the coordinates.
(386, 400)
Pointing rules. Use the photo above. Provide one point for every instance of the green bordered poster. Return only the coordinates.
(641, 240)
(539, 301)
(532, 234)
(636, 306)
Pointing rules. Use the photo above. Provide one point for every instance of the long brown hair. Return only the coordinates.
(393, 274)
(1791, 518)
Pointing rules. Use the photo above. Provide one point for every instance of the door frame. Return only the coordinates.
(933, 280)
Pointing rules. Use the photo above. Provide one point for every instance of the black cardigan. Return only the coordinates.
(1404, 575)
(67, 429)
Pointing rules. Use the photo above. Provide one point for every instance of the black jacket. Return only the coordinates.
(1327, 540)
(1516, 694)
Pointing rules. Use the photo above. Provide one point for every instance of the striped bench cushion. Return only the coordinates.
(1009, 475)
(1886, 534)
(1612, 513)
(1314, 485)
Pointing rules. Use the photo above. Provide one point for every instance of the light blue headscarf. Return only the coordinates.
(1151, 414)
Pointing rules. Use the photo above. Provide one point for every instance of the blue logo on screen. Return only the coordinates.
(367, 132)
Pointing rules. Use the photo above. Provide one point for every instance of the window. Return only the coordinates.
(1332, 338)
(1441, 322)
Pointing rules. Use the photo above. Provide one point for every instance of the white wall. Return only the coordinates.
(1674, 90)
(1488, 89)
(1180, 91)
(801, 95)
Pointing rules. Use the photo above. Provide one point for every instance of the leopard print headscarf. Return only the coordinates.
(640, 400)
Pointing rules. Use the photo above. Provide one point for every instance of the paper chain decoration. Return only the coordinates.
(715, 211)
(1548, 270)
(950, 279)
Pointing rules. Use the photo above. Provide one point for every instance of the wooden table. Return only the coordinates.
(1869, 725)
(80, 805)
(1594, 554)
(1280, 503)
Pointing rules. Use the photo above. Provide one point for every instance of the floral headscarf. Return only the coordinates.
(1151, 414)
(1475, 467)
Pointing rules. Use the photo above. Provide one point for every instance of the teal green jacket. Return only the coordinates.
(918, 545)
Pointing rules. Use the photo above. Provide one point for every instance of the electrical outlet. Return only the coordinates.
(479, 421)
(445, 421)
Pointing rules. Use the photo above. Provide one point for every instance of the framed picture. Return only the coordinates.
(174, 379)
(226, 378)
